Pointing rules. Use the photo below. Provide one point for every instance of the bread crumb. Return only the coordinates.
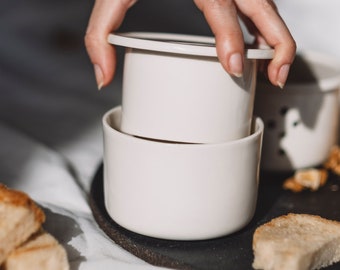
(311, 179)
(291, 184)
(333, 161)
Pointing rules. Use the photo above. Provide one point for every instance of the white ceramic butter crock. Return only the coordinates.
(175, 89)
(179, 191)
(301, 121)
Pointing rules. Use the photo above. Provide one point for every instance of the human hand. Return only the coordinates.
(260, 16)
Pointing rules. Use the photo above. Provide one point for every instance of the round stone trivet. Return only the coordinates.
(229, 252)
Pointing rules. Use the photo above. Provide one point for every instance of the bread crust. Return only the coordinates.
(20, 199)
(20, 217)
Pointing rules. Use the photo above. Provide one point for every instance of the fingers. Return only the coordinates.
(221, 16)
(107, 15)
(274, 32)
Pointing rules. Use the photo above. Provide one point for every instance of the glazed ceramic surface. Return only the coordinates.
(301, 121)
(175, 89)
(179, 191)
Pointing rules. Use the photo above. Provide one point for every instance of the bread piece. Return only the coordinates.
(20, 217)
(41, 252)
(296, 242)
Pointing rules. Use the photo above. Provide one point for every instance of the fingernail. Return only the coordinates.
(236, 64)
(282, 75)
(99, 76)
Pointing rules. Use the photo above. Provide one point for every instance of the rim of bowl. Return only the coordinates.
(327, 82)
(179, 44)
(257, 125)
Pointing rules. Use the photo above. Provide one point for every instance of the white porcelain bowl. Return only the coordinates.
(175, 89)
(179, 191)
(301, 121)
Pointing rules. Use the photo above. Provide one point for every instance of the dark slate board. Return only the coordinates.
(229, 252)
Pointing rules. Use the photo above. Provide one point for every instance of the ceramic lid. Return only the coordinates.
(179, 44)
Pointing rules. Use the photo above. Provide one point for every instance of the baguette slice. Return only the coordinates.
(20, 217)
(41, 252)
(296, 242)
